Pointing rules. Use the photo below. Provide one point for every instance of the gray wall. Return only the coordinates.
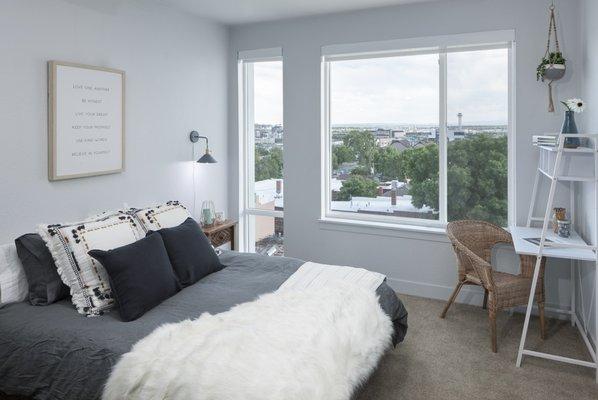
(420, 264)
(587, 220)
(176, 82)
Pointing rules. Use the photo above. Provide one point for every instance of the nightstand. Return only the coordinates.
(221, 233)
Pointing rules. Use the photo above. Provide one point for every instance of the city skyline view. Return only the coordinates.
(384, 115)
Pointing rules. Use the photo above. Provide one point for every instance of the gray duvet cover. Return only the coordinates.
(52, 352)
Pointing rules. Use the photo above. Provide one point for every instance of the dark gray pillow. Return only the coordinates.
(140, 274)
(190, 251)
(45, 285)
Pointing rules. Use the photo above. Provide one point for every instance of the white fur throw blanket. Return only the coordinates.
(313, 344)
(312, 274)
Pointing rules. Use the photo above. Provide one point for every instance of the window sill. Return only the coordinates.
(414, 232)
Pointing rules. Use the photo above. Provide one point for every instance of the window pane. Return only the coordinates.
(477, 135)
(267, 182)
(384, 123)
(268, 235)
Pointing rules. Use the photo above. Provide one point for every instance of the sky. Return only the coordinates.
(401, 90)
(267, 82)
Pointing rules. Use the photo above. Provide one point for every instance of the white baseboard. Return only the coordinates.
(469, 294)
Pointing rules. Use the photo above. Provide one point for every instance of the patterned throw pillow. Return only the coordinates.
(85, 276)
(167, 215)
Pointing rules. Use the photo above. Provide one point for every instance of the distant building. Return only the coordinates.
(392, 199)
(269, 231)
(382, 133)
(459, 133)
(344, 170)
(384, 141)
(401, 144)
(382, 205)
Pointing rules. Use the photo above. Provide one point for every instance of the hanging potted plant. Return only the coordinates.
(552, 67)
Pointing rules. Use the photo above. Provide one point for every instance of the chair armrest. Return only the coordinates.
(503, 236)
(494, 235)
(484, 271)
(482, 268)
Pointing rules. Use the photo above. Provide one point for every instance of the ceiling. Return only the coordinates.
(245, 11)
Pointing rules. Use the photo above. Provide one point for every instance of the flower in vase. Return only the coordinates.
(575, 105)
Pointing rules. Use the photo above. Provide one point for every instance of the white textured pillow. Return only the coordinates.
(85, 276)
(13, 282)
(167, 215)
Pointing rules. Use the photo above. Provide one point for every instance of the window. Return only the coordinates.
(417, 135)
(268, 235)
(477, 153)
(261, 136)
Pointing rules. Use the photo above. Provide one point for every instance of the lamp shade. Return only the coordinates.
(194, 136)
(207, 159)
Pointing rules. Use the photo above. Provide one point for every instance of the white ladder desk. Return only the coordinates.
(556, 164)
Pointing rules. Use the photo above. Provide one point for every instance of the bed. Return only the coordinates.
(52, 352)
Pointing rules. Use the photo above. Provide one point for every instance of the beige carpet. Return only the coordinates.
(451, 359)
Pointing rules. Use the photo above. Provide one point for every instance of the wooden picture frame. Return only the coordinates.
(86, 120)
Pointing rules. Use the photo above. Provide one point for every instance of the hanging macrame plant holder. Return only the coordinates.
(552, 66)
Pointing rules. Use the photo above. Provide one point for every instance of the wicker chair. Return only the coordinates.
(473, 242)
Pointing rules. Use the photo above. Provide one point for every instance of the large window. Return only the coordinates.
(418, 136)
(261, 134)
(477, 152)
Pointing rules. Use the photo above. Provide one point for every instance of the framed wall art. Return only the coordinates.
(86, 118)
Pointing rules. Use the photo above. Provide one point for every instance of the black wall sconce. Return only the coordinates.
(206, 158)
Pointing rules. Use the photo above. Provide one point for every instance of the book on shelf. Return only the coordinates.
(545, 140)
(536, 240)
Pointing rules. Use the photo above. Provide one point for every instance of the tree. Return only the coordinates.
(361, 171)
(421, 168)
(358, 185)
(363, 145)
(476, 178)
(484, 193)
(388, 163)
(335, 163)
(268, 163)
(342, 154)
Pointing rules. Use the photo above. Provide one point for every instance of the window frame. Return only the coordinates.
(441, 45)
(245, 78)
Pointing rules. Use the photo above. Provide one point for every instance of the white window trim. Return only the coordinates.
(427, 44)
(271, 54)
(246, 60)
(438, 45)
(378, 228)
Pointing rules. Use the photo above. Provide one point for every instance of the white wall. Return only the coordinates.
(586, 303)
(176, 82)
(415, 263)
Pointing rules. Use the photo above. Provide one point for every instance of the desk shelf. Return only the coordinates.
(567, 178)
(573, 165)
(571, 248)
(560, 164)
(554, 149)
